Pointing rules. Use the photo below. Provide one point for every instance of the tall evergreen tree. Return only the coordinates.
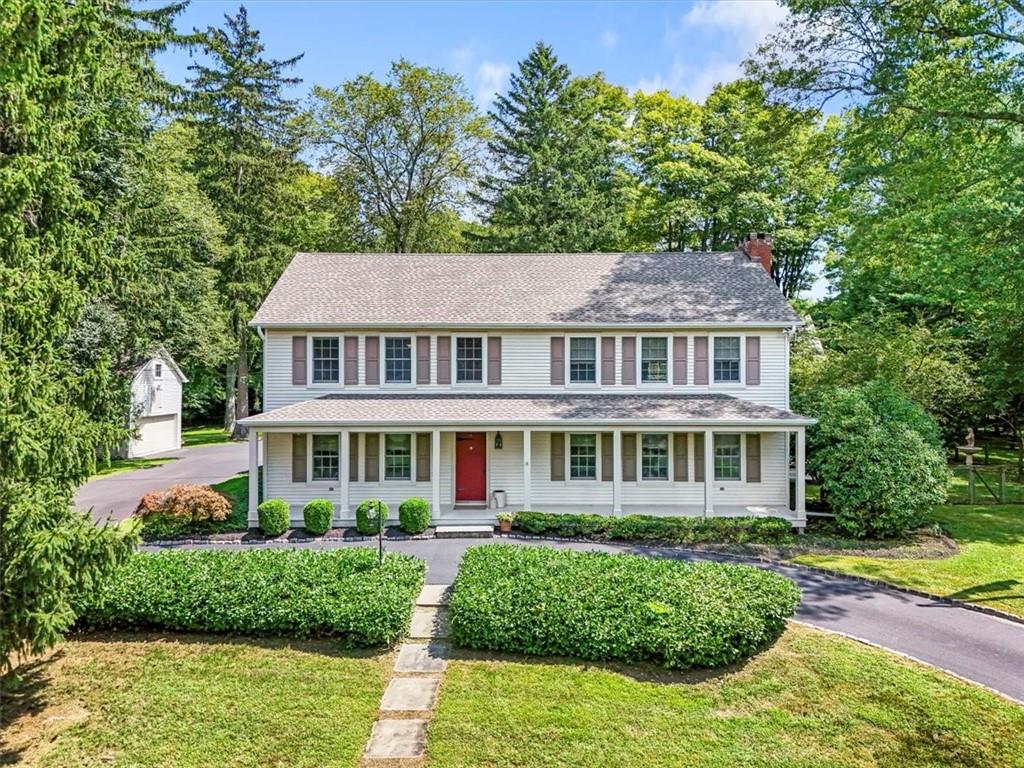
(71, 122)
(241, 116)
(555, 184)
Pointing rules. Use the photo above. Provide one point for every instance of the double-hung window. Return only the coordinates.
(654, 457)
(158, 370)
(583, 360)
(469, 359)
(727, 457)
(654, 359)
(583, 457)
(398, 360)
(397, 457)
(727, 359)
(325, 457)
(326, 360)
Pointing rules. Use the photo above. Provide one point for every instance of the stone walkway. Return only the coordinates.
(400, 732)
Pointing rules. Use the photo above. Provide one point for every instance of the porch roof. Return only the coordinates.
(524, 410)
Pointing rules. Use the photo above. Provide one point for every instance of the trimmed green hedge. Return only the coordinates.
(675, 530)
(297, 593)
(364, 524)
(317, 516)
(414, 515)
(604, 607)
(274, 517)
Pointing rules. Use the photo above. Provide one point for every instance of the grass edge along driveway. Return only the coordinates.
(988, 570)
(813, 699)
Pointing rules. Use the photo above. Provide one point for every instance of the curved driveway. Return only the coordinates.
(982, 648)
(118, 495)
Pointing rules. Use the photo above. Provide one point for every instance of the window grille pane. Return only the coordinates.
(727, 358)
(398, 360)
(583, 457)
(654, 457)
(654, 359)
(325, 457)
(398, 457)
(469, 359)
(325, 360)
(583, 361)
(727, 457)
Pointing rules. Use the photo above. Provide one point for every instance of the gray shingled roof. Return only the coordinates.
(355, 409)
(534, 289)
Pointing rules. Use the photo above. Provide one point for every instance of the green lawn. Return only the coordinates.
(811, 700)
(988, 570)
(117, 466)
(193, 436)
(183, 701)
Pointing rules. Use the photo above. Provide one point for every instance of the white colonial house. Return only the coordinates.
(156, 405)
(611, 383)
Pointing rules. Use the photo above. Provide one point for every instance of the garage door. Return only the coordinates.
(156, 434)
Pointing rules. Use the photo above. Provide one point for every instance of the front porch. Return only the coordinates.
(595, 469)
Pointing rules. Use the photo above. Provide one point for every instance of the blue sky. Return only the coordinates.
(684, 46)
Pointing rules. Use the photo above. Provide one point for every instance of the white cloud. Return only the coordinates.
(490, 79)
(693, 82)
(758, 17)
(610, 39)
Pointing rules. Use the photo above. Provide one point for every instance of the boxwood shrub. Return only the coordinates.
(364, 524)
(317, 516)
(274, 517)
(599, 606)
(299, 593)
(414, 515)
(674, 530)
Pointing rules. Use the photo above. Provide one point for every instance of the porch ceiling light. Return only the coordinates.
(498, 442)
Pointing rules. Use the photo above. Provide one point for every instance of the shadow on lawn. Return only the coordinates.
(23, 693)
(980, 592)
(996, 524)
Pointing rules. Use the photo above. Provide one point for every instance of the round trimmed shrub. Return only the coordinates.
(879, 458)
(275, 517)
(364, 524)
(317, 515)
(414, 515)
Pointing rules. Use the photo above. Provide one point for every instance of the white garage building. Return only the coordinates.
(156, 405)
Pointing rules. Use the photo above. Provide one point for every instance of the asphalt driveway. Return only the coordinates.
(118, 495)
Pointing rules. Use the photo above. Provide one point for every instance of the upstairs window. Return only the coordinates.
(397, 457)
(326, 363)
(469, 360)
(158, 370)
(583, 360)
(325, 457)
(583, 457)
(727, 457)
(398, 360)
(654, 359)
(727, 359)
(654, 457)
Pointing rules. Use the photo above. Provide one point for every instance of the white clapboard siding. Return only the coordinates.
(526, 368)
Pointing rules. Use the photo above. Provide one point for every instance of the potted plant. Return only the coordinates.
(505, 521)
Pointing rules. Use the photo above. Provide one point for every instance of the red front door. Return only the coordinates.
(470, 466)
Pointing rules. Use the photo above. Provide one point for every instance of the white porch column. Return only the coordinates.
(343, 481)
(709, 471)
(435, 473)
(801, 490)
(254, 477)
(617, 472)
(527, 455)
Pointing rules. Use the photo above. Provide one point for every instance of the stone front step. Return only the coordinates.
(464, 531)
(422, 658)
(410, 694)
(429, 623)
(397, 739)
(433, 595)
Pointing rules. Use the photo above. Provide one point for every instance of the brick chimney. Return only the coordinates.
(758, 247)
